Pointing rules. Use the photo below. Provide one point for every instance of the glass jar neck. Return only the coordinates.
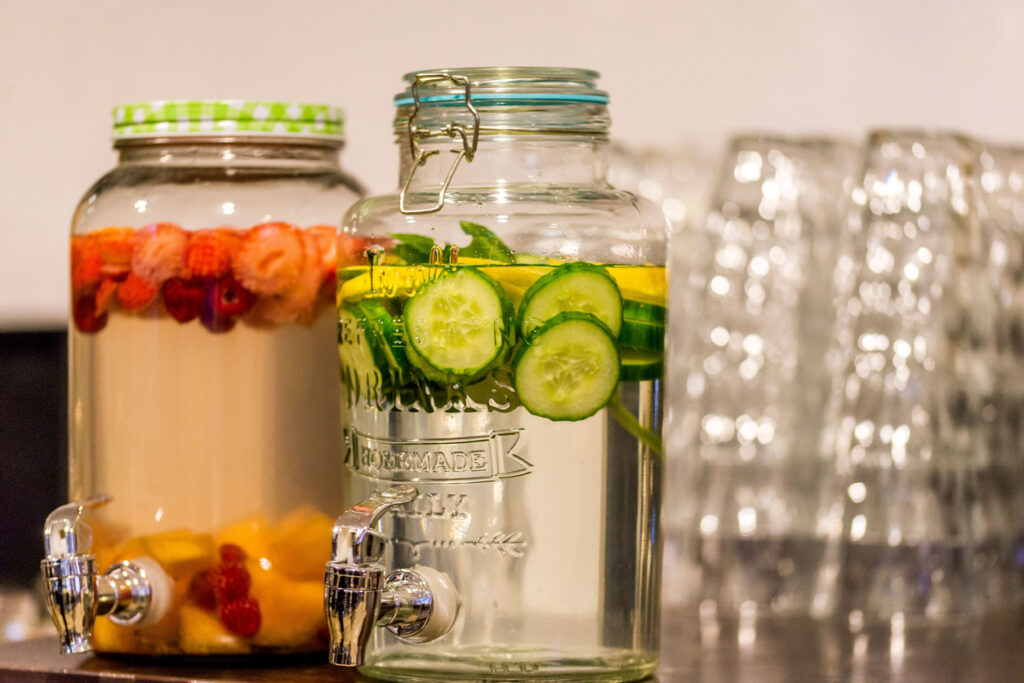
(232, 152)
(528, 159)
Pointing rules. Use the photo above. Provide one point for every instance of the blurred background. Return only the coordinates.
(684, 77)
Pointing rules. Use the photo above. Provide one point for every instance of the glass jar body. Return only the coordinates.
(202, 385)
(547, 524)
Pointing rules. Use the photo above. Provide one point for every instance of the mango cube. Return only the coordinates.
(202, 634)
(109, 637)
(180, 553)
(251, 535)
(292, 612)
(301, 544)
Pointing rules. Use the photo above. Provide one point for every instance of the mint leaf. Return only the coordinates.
(485, 244)
(413, 249)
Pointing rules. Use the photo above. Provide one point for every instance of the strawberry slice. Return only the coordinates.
(135, 294)
(159, 253)
(209, 252)
(116, 245)
(86, 265)
(183, 299)
(270, 259)
(295, 303)
(105, 294)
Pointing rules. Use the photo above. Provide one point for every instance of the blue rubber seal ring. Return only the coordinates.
(541, 96)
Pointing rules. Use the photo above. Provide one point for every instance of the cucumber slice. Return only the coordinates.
(458, 324)
(643, 312)
(360, 359)
(579, 287)
(639, 334)
(639, 366)
(568, 369)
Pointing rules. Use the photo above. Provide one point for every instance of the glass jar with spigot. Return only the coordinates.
(502, 351)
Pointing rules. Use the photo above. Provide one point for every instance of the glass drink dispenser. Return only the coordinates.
(203, 384)
(502, 349)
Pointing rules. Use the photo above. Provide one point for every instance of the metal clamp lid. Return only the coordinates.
(452, 130)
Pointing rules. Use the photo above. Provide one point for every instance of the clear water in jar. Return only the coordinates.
(205, 406)
(547, 528)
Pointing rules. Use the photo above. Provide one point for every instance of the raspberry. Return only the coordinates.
(241, 617)
(231, 553)
(270, 258)
(229, 298)
(160, 252)
(183, 299)
(200, 590)
(87, 320)
(215, 322)
(86, 265)
(105, 295)
(230, 582)
(209, 253)
(134, 294)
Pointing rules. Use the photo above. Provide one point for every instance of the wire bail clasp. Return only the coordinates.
(452, 130)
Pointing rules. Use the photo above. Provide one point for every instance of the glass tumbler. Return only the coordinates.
(1001, 208)
(760, 308)
(916, 519)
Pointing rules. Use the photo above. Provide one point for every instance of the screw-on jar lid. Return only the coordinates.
(227, 118)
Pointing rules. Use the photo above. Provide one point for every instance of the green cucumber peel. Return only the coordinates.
(533, 397)
(527, 323)
(430, 364)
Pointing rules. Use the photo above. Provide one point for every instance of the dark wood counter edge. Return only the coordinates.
(38, 661)
(777, 651)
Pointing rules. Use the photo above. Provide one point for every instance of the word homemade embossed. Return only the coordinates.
(463, 459)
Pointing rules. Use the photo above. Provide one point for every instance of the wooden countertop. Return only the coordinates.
(775, 651)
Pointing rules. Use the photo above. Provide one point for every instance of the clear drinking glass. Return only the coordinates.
(538, 470)
(917, 518)
(760, 316)
(1000, 176)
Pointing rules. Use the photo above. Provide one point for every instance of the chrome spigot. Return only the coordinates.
(76, 595)
(418, 604)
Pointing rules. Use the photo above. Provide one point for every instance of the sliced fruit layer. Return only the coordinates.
(270, 274)
(252, 587)
(568, 369)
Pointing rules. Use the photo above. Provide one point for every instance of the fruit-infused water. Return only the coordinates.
(206, 405)
(521, 396)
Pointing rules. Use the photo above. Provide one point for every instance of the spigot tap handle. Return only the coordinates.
(354, 541)
(64, 534)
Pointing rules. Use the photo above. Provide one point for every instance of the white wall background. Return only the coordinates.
(678, 72)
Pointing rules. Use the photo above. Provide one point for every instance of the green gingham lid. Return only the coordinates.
(227, 117)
